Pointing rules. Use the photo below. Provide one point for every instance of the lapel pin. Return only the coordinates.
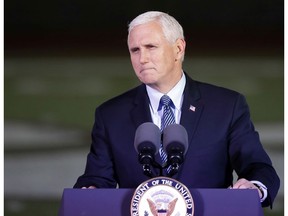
(192, 108)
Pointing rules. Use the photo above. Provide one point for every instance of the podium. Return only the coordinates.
(116, 202)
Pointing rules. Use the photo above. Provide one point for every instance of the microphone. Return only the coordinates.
(147, 143)
(175, 143)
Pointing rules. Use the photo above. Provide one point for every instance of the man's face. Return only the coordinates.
(155, 61)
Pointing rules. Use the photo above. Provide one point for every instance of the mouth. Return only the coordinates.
(146, 69)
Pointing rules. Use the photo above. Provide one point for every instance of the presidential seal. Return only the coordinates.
(162, 196)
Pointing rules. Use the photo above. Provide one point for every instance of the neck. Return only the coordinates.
(166, 86)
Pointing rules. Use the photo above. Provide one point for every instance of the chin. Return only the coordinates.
(148, 81)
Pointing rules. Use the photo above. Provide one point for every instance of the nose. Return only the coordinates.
(144, 58)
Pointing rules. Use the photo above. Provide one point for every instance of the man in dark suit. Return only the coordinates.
(221, 135)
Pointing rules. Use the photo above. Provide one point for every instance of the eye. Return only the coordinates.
(151, 46)
(134, 50)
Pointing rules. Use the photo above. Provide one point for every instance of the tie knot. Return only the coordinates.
(165, 101)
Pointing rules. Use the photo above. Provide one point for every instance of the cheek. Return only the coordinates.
(162, 58)
(168, 60)
(134, 62)
(136, 68)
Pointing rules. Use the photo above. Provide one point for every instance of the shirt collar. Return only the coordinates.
(175, 94)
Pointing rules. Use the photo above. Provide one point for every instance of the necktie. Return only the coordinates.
(167, 119)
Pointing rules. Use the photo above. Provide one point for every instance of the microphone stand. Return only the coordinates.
(148, 160)
(158, 166)
(174, 169)
(175, 159)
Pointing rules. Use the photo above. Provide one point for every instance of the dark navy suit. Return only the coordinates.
(221, 139)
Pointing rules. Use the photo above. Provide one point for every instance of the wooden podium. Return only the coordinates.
(116, 202)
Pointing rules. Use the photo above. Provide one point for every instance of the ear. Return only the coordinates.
(180, 45)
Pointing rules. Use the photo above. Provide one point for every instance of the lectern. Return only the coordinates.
(116, 202)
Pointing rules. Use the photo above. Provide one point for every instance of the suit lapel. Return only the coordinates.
(192, 108)
(141, 112)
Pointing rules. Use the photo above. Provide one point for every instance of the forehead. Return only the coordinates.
(147, 32)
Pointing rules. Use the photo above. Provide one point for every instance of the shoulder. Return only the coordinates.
(204, 89)
(124, 99)
(212, 94)
(214, 90)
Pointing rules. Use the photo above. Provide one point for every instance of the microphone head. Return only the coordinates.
(147, 138)
(175, 139)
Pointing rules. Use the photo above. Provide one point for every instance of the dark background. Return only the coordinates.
(86, 25)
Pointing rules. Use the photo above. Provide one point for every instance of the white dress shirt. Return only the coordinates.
(176, 95)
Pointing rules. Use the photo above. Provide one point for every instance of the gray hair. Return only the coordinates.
(172, 30)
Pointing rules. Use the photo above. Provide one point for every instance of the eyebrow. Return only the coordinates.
(145, 45)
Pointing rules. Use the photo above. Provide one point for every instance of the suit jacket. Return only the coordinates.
(221, 139)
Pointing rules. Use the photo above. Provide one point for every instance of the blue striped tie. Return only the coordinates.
(167, 119)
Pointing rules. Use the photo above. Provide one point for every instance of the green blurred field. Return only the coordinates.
(64, 92)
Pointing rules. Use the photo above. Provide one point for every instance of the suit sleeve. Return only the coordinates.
(247, 154)
(99, 170)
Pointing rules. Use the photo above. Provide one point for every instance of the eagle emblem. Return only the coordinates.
(162, 196)
(158, 210)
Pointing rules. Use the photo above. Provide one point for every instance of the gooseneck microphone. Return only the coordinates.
(175, 143)
(147, 143)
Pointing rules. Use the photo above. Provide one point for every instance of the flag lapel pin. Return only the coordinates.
(192, 108)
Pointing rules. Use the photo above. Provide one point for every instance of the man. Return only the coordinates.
(221, 135)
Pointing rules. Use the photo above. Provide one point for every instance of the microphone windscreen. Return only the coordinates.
(147, 136)
(175, 136)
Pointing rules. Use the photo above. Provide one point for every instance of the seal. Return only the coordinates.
(162, 196)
